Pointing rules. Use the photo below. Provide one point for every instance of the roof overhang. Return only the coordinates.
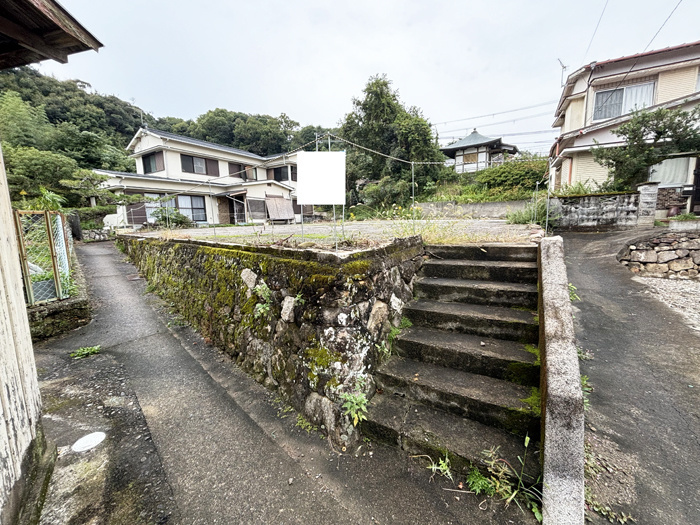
(36, 30)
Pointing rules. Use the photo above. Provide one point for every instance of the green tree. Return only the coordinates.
(650, 137)
(380, 122)
(87, 183)
(29, 169)
(20, 123)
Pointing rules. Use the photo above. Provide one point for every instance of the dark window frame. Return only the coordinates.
(188, 165)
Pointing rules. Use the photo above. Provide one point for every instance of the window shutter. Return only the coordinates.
(212, 167)
(187, 163)
(160, 164)
(271, 174)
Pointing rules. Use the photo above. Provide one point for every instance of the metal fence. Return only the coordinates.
(45, 246)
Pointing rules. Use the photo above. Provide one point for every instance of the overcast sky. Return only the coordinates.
(308, 59)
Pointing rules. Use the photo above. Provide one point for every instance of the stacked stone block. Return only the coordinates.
(669, 255)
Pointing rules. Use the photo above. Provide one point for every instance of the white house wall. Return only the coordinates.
(20, 400)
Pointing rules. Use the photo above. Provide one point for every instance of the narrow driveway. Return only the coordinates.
(645, 406)
(229, 453)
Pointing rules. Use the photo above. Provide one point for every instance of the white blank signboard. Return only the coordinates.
(321, 177)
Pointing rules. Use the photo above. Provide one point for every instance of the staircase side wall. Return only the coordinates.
(562, 398)
(309, 325)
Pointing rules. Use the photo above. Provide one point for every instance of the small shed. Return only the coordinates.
(477, 152)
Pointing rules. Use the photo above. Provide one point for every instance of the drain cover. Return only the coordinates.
(133, 277)
(88, 442)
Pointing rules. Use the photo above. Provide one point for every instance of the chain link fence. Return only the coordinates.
(46, 248)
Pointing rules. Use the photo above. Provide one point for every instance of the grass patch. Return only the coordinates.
(85, 351)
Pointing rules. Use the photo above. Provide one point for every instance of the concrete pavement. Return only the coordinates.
(644, 419)
(227, 451)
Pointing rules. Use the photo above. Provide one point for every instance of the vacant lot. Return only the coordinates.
(357, 234)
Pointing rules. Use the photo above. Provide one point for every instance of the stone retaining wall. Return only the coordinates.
(671, 255)
(309, 324)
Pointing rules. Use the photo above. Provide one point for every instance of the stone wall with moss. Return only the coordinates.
(304, 323)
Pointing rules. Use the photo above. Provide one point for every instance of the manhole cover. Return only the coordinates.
(88, 442)
(133, 277)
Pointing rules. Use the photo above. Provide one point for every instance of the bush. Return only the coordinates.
(534, 213)
(170, 217)
(469, 193)
(386, 192)
(93, 218)
(523, 173)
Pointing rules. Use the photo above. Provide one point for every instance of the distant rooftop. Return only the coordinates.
(475, 140)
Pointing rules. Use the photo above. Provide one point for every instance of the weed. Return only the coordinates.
(502, 474)
(604, 510)
(584, 355)
(396, 330)
(263, 292)
(85, 351)
(587, 389)
(150, 288)
(355, 406)
(299, 300)
(659, 224)
(573, 296)
(304, 424)
(442, 467)
(384, 351)
(685, 217)
(479, 483)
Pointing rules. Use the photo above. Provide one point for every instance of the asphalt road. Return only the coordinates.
(645, 406)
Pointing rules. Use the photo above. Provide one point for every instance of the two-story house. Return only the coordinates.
(600, 96)
(476, 152)
(207, 182)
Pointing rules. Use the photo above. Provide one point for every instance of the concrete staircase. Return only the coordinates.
(462, 371)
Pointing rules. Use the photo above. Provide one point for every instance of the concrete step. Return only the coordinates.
(489, 321)
(477, 292)
(490, 401)
(483, 252)
(420, 429)
(504, 271)
(496, 358)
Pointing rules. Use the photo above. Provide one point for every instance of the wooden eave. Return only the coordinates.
(36, 30)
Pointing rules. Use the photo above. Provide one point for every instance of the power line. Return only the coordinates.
(612, 91)
(504, 121)
(595, 30)
(497, 113)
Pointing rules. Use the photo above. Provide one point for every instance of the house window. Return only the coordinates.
(153, 162)
(237, 170)
(153, 206)
(199, 165)
(615, 102)
(294, 173)
(281, 174)
(192, 206)
(670, 172)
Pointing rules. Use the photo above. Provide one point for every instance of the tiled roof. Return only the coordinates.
(203, 143)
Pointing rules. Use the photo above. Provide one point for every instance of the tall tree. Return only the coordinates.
(379, 121)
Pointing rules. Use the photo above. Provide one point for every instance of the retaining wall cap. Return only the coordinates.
(563, 473)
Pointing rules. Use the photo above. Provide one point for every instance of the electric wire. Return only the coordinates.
(642, 53)
(595, 31)
(496, 113)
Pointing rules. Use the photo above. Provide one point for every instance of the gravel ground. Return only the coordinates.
(679, 295)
